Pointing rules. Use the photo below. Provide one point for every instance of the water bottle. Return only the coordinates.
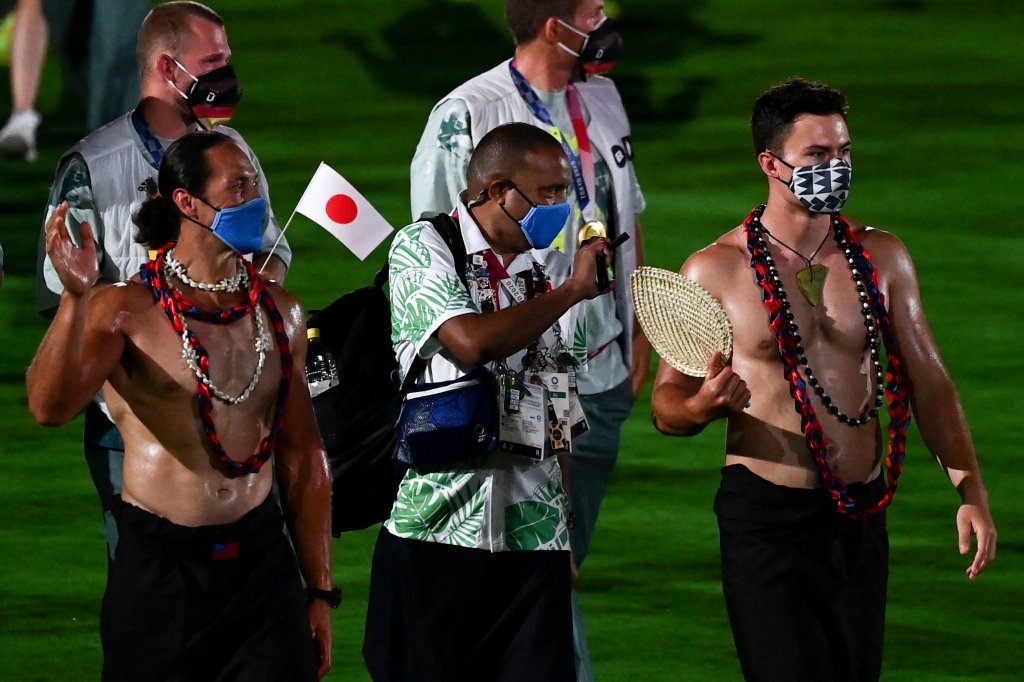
(321, 371)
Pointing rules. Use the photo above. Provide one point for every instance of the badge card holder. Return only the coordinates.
(524, 420)
(578, 424)
(560, 429)
(577, 418)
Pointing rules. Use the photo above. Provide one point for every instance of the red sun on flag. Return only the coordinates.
(335, 205)
(341, 208)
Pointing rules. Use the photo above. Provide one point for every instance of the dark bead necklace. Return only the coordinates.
(876, 320)
(872, 337)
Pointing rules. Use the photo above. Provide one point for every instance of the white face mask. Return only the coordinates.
(822, 188)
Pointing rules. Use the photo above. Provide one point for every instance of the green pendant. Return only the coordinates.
(811, 280)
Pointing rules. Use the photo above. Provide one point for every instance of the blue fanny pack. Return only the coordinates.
(449, 420)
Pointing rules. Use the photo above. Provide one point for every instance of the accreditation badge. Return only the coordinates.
(577, 417)
(559, 431)
(524, 422)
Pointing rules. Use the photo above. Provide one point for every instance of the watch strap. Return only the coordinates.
(331, 596)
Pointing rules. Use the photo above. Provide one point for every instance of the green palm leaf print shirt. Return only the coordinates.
(501, 502)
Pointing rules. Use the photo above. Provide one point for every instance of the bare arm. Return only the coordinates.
(476, 338)
(83, 344)
(937, 406)
(304, 480)
(682, 405)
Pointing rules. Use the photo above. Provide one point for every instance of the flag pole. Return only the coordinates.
(278, 241)
(285, 228)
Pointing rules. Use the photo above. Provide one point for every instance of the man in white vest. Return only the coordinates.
(187, 85)
(554, 82)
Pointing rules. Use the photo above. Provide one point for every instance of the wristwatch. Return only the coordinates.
(332, 596)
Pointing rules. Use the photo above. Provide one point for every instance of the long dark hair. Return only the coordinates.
(184, 165)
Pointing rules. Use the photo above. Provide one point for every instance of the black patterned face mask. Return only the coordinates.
(601, 48)
(822, 188)
(213, 96)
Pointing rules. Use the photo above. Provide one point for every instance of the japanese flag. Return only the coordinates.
(334, 203)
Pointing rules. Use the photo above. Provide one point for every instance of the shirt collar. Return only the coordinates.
(476, 242)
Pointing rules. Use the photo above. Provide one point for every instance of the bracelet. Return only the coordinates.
(332, 596)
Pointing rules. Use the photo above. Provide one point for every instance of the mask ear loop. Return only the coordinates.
(785, 163)
(481, 198)
(581, 34)
(188, 73)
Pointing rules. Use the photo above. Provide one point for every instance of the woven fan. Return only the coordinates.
(684, 323)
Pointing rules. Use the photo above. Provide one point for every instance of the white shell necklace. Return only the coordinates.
(229, 284)
(261, 342)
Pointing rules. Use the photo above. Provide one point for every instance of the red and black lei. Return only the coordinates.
(176, 305)
(780, 320)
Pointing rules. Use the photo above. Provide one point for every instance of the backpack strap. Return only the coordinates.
(452, 236)
(381, 278)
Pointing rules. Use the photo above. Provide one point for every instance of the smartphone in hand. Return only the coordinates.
(602, 266)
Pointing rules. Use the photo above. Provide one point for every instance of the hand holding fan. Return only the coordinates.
(683, 322)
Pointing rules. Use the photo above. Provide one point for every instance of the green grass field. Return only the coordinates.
(935, 88)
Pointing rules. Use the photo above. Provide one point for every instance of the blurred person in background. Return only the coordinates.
(94, 39)
(28, 50)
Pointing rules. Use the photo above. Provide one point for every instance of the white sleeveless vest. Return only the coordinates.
(118, 166)
(492, 99)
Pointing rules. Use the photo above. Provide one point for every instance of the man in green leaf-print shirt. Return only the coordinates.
(471, 573)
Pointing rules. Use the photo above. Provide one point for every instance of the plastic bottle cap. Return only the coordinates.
(312, 333)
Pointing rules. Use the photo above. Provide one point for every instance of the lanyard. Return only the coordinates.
(583, 142)
(153, 146)
(536, 285)
(498, 274)
(579, 179)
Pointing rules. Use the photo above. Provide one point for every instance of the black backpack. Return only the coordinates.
(356, 418)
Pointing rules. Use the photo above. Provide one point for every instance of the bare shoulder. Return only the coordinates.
(716, 266)
(116, 302)
(886, 249)
(291, 309)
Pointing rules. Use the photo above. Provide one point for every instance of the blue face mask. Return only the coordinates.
(240, 227)
(543, 222)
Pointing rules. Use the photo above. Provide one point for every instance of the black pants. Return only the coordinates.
(805, 587)
(440, 613)
(209, 603)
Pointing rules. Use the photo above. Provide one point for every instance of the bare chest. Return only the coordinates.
(835, 326)
(240, 359)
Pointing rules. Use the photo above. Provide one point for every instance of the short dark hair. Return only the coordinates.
(525, 17)
(185, 165)
(167, 26)
(501, 153)
(779, 106)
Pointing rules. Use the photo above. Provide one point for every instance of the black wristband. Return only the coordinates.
(332, 596)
